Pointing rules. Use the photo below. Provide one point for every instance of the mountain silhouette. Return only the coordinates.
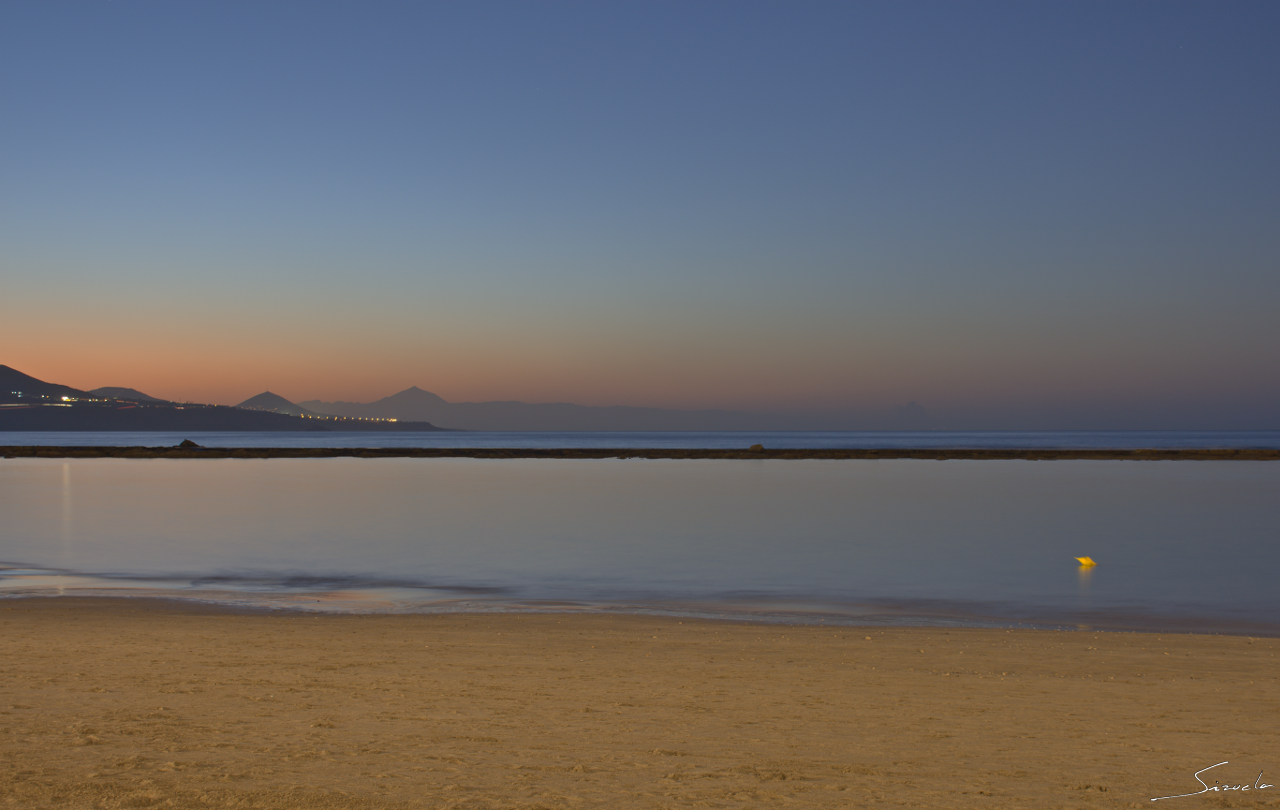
(30, 404)
(124, 393)
(18, 387)
(267, 401)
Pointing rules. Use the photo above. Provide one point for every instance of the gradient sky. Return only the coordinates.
(1017, 215)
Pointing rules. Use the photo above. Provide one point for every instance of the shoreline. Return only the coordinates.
(868, 616)
(139, 703)
(939, 454)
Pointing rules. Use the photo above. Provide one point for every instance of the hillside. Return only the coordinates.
(28, 403)
(125, 393)
(17, 387)
(267, 401)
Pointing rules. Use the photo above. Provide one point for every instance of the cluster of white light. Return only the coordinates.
(180, 407)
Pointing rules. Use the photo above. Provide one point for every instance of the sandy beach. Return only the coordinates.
(142, 703)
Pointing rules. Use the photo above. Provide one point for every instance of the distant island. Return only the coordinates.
(416, 404)
(27, 404)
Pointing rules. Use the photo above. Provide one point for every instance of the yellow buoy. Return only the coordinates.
(1087, 562)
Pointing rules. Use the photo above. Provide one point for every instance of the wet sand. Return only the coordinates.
(144, 703)
(940, 454)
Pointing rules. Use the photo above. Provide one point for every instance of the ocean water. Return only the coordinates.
(1179, 545)
(709, 440)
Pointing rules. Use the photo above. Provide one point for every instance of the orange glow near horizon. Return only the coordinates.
(850, 358)
(740, 372)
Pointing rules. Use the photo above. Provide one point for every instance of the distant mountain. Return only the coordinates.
(416, 404)
(124, 393)
(18, 387)
(267, 401)
(27, 403)
(409, 401)
(181, 418)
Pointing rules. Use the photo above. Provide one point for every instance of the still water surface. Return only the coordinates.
(705, 440)
(1187, 545)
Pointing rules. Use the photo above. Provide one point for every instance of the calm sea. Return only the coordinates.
(1178, 545)
(712, 440)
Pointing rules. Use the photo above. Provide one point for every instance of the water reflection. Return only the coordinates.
(1084, 574)
(901, 539)
(66, 515)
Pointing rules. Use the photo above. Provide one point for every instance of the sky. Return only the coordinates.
(869, 215)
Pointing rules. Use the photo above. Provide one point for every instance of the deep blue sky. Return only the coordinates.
(1013, 214)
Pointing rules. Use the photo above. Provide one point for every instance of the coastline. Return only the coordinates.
(939, 454)
(333, 599)
(132, 702)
